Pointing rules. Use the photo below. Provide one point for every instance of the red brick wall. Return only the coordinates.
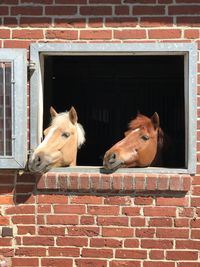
(86, 220)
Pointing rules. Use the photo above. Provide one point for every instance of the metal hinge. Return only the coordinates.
(32, 66)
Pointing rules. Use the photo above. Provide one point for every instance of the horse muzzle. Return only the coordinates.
(38, 163)
(112, 162)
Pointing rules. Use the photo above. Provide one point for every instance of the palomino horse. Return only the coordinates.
(140, 145)
(62, 139)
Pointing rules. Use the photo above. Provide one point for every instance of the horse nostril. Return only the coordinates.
(112, 158)
(38, 160)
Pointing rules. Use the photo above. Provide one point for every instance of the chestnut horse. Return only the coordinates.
(140, 145)
(62, 139)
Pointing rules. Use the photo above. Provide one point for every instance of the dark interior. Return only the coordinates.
(108, 91)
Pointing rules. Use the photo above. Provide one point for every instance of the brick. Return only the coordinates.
(44, 209)
(25, 262)
(34, 251)
(138, 221)
(69, 209)
(124, 263)
(88, 220)
(182, 255)
(186, 264)
(104, 242)
(6, 200)
(68, 2)
(26, 10)
(72, 241)
(95, 34)
(83, 231)
(131, 254)
(54, 262)
(122, 10)
(191, 21)
(117, 200)
(96, 10)
(158, 264)
(195, 234)
(26, 230)
(156, 255)
(117, 232)
(4, 10)
(70, 23)
(103, 210)
(131, 243)
(159, 211)
(139, 1)
(7, 179)
(22, 209)
(45, 230)
(158, 244)
(181, 222)
(27, 34)
(172, 233)
(25, 219)
(116, 22)
(148, 10)
(160, 222)
(117, 182)
(184, 10)
(130, 34)
(63, 34)
(143, 200)
(38, 240)
(145, 232)
(87, 200)
(64, 252)
(97, 253)
(156, 21)
(121, 221)
(5, 242)
(151, 182)
(60, 10)
(4, 220)
(90, 262)
(84, 178)
(52, 199)
(131, 211)
(172, 201)
(191, 34)
(105, 2)
(164, 34)
(62, 219)
(188, 244)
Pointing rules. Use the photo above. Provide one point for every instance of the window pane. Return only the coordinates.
(5, 109)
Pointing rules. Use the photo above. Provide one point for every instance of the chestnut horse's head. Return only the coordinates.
(62, 139)
(139, 146)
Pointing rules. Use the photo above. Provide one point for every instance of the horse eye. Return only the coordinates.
(65, 135)
(145, 137)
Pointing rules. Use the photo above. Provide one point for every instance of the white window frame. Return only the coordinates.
(17, 58)
(188, 50)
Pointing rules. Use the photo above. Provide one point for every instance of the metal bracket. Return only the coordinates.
(32, 66)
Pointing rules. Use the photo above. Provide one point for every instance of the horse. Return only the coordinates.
(62, 139)
(141, 146)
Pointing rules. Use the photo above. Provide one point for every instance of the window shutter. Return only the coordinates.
(13, 108)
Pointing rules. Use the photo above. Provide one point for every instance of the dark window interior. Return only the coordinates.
(108, 91)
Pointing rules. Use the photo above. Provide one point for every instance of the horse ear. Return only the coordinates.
(53, 112)
(155, 120)
(73, 115)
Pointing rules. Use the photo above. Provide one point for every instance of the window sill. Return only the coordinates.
(92, 180)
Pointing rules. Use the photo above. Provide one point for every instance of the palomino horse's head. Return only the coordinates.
(139, 146)
(62, 139)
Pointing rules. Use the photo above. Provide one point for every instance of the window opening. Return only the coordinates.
(108, 91)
